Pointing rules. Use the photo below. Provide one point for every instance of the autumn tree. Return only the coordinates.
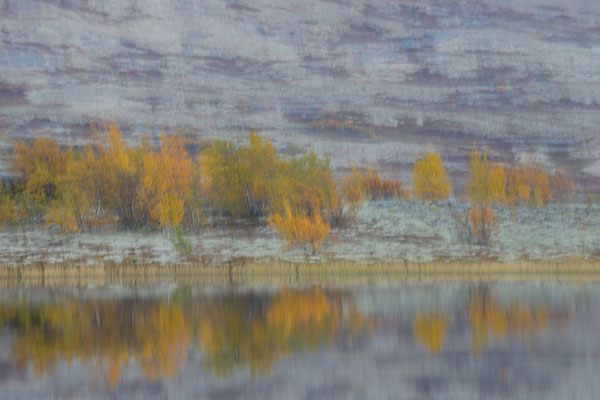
(304, 200)
(478, 178)
(431, 179)
(237, 179)
(8, 206)
(166, 182)
(528, 184)
(351, 195)
(496, 185)
(377, 188)
(127, 167)
(300, 229)
(482, 223)
(38, 166)
(485, 185)
(99, 178)
(221, 165)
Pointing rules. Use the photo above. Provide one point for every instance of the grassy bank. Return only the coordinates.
(279, 272)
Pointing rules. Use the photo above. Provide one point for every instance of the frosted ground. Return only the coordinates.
(384, 231)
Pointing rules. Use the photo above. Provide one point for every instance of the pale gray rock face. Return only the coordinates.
(518, 76)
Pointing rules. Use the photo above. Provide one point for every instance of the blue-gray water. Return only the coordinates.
(518, 76)
(372, 341)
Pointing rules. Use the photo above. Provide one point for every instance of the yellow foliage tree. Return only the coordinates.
(431, 179)
(8, 206)
(497, 185)
(127, 167)
(528, 185)
(39, 166)
(301, 230)
(166, 182)
(478, 178)
(486, 185)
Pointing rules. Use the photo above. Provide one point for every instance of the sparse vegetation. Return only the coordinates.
(138, 186)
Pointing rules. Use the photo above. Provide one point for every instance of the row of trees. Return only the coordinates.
(138, 187)
(141, 187)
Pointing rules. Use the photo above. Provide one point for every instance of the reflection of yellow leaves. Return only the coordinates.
(430, 332)
(489, 317)
(164, 339)
(295, 320)
(107, 334)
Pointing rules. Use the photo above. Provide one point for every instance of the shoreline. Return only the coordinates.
(285, 272)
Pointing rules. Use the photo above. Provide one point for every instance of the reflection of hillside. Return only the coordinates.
(489, 318)
(235, 333)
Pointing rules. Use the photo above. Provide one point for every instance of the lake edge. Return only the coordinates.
(284, 272)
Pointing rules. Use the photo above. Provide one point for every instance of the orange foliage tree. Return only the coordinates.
(300, 229)
(482, 222)
(528, 185)
(431, 179)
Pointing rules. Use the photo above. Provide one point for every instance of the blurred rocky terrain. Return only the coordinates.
(373, 83)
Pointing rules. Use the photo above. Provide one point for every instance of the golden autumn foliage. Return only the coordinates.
(39, 167)
(8, 207)
(141, 186)
(528, 185)
(308, 231)
(431, 179)
(478, 178)
(167, 182)
(298, 195)
(522, 185)
(487, 184)
(239, 179)
(496, 181)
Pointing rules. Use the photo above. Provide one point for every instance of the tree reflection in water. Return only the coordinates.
(233, 332)
(489, 318)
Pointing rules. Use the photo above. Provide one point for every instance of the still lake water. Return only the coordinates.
(369, 341)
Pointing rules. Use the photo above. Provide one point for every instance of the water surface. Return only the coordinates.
(417, 340)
